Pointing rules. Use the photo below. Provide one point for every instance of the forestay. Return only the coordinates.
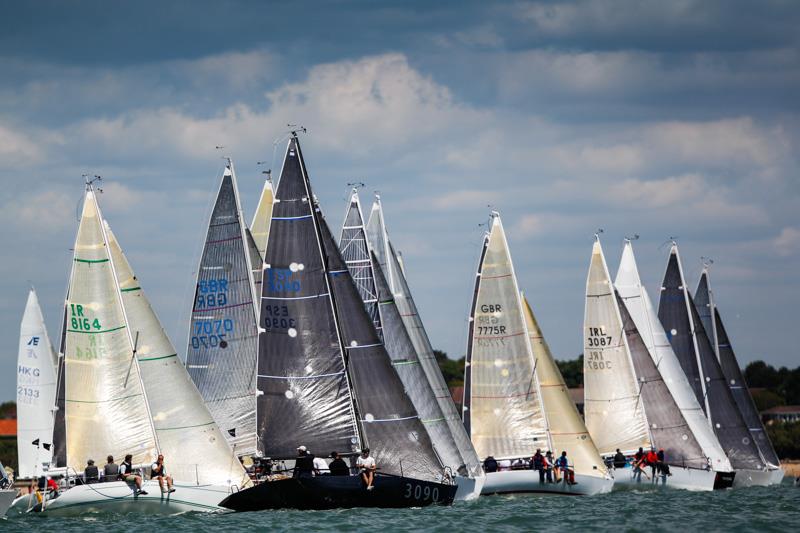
(222, 347)
(614, 413)
(505, 416)
(36, 389)
(194, 447)
(387, 258)
(408, 367)
(303, 390)
(566, 427)
(690, 342)
(106, 410)
(355, 252)
(637, 302)
(706, 308)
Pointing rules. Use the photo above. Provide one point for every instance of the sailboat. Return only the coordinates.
(126, 391)
(506, 411)
(691, 345)
(389, 263)
(628, 405)
(638, 304)
(36, 388)
(380, 305)
(223, 336)
(324, 378)
(712, 322)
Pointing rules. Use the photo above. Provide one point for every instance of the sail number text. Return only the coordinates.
(80, 322)
(419, 492)
(597, 339)
(488, 323)
(212, 293)
(280, 280)
(277, 317)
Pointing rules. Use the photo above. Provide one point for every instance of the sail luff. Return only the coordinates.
(610, 385)
(637, 302)
(59, 407)
(466, 404)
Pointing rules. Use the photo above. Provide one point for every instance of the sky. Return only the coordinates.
(661, 119)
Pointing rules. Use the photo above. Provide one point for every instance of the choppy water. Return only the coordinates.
(753, 509)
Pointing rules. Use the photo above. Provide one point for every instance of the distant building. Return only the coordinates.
(781, 413)
(8, 428)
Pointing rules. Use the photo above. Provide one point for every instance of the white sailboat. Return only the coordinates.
(638, 304)
(36, 390)
(628, 405)
(126, 391)
(506, 410)
(720, 342)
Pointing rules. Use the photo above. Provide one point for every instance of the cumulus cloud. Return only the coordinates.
(788, 242)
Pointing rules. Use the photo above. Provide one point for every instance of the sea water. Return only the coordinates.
(749, 509)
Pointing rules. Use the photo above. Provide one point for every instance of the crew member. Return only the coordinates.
(159, 471)
(338, 467)
(367, 467)
(304, 464)
(619, 460)
(126, 474)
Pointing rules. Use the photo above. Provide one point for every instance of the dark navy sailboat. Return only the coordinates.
(325, 379)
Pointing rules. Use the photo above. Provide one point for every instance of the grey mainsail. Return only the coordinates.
(59, 423)
(693, 349)
(710, 317)
(222, 348)
(303, 390)
(406, 363)
(667, 426)
(381, 245)
(355, 252)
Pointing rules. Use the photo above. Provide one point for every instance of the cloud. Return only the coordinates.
(788, 242)
(15, 145)
(39, 212)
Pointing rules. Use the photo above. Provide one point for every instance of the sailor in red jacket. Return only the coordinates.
(652, 461)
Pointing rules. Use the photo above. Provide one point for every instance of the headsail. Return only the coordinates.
(638, 304)
(186, 433)
(222, 348)
(707, 309)
(567, 429)
(259, 229)
(303, 389)
(693, 349)
(381, 246)
(404, 358)
(36, 389)
(614, 412)
(355, 252)
(106, 409)
(505, 415)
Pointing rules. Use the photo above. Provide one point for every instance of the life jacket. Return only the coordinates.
(538, 461)
(110, 471)
(128, 468)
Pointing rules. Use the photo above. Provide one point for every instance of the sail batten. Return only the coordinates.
(223, 336)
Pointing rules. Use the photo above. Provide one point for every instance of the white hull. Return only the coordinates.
(118, 497)
(681, 478)
(757, 478)
(522, 481)
(6, 499)
(469, 488)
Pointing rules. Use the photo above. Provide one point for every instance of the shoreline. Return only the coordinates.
(791, 467)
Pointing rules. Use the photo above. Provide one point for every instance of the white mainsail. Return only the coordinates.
(503, 408)
(614, 413)
(638, 303)
(193, 445)
(36, 390)
(566, 427)
(105, 404)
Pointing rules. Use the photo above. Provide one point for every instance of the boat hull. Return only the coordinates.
(527, 481)
(332, 492)
(118, 497)
(758, 478)
(469, 488)
(6, 499)
(681, 478)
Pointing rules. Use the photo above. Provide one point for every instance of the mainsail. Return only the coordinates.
(614, 413)
(324, 377)
(36, 388)
(404, 358)
(185, 431)
(223, 336)
(381, 246)
(567, 429)
(106, 410)
(698, 360)
(712, 322)
(355, 252)
(637, 303)
(502, 402)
